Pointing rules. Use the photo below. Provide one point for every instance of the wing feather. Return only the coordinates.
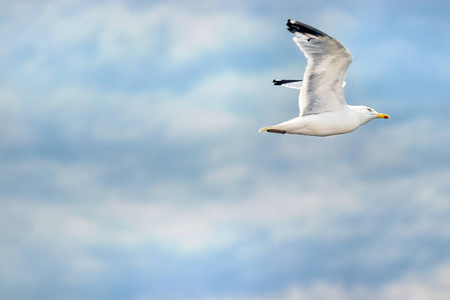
(289, 83)
(328, 60)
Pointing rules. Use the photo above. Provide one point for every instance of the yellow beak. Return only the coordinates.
(383, 116)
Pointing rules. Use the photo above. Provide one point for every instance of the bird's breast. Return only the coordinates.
(327, 123)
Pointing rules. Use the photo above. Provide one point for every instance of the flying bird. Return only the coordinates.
(323, 110)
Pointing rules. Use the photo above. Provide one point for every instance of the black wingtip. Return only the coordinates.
(295, 26)
(284, 81)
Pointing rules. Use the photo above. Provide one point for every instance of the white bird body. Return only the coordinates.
(322, 106)
(324, 124)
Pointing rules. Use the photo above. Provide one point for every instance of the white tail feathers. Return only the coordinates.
(272, 129)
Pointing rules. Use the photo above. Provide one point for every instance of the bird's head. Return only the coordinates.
(367, 114)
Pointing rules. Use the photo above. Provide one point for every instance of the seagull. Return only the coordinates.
(323, 110)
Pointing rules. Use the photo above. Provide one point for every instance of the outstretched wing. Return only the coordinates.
(293, 84)
(289, 83)
(328, 60)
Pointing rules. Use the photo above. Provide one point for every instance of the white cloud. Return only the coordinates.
(209, 109)
(195, 34)
(226, 176)
(298, 202)
(432, 284)
(86, 35)
(61, 27)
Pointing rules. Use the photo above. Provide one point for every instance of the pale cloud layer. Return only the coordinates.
(432, 284)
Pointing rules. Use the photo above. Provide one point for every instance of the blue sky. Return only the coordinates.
(132, 166)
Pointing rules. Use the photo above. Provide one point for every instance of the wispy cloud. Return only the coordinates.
(432, 284)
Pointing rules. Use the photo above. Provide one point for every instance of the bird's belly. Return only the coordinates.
(325, 124)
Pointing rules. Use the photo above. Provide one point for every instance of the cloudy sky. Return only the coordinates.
(131, 166)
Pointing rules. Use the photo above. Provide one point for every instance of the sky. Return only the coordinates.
(131, 166)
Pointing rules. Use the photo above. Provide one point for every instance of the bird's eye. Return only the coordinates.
(369, 109)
